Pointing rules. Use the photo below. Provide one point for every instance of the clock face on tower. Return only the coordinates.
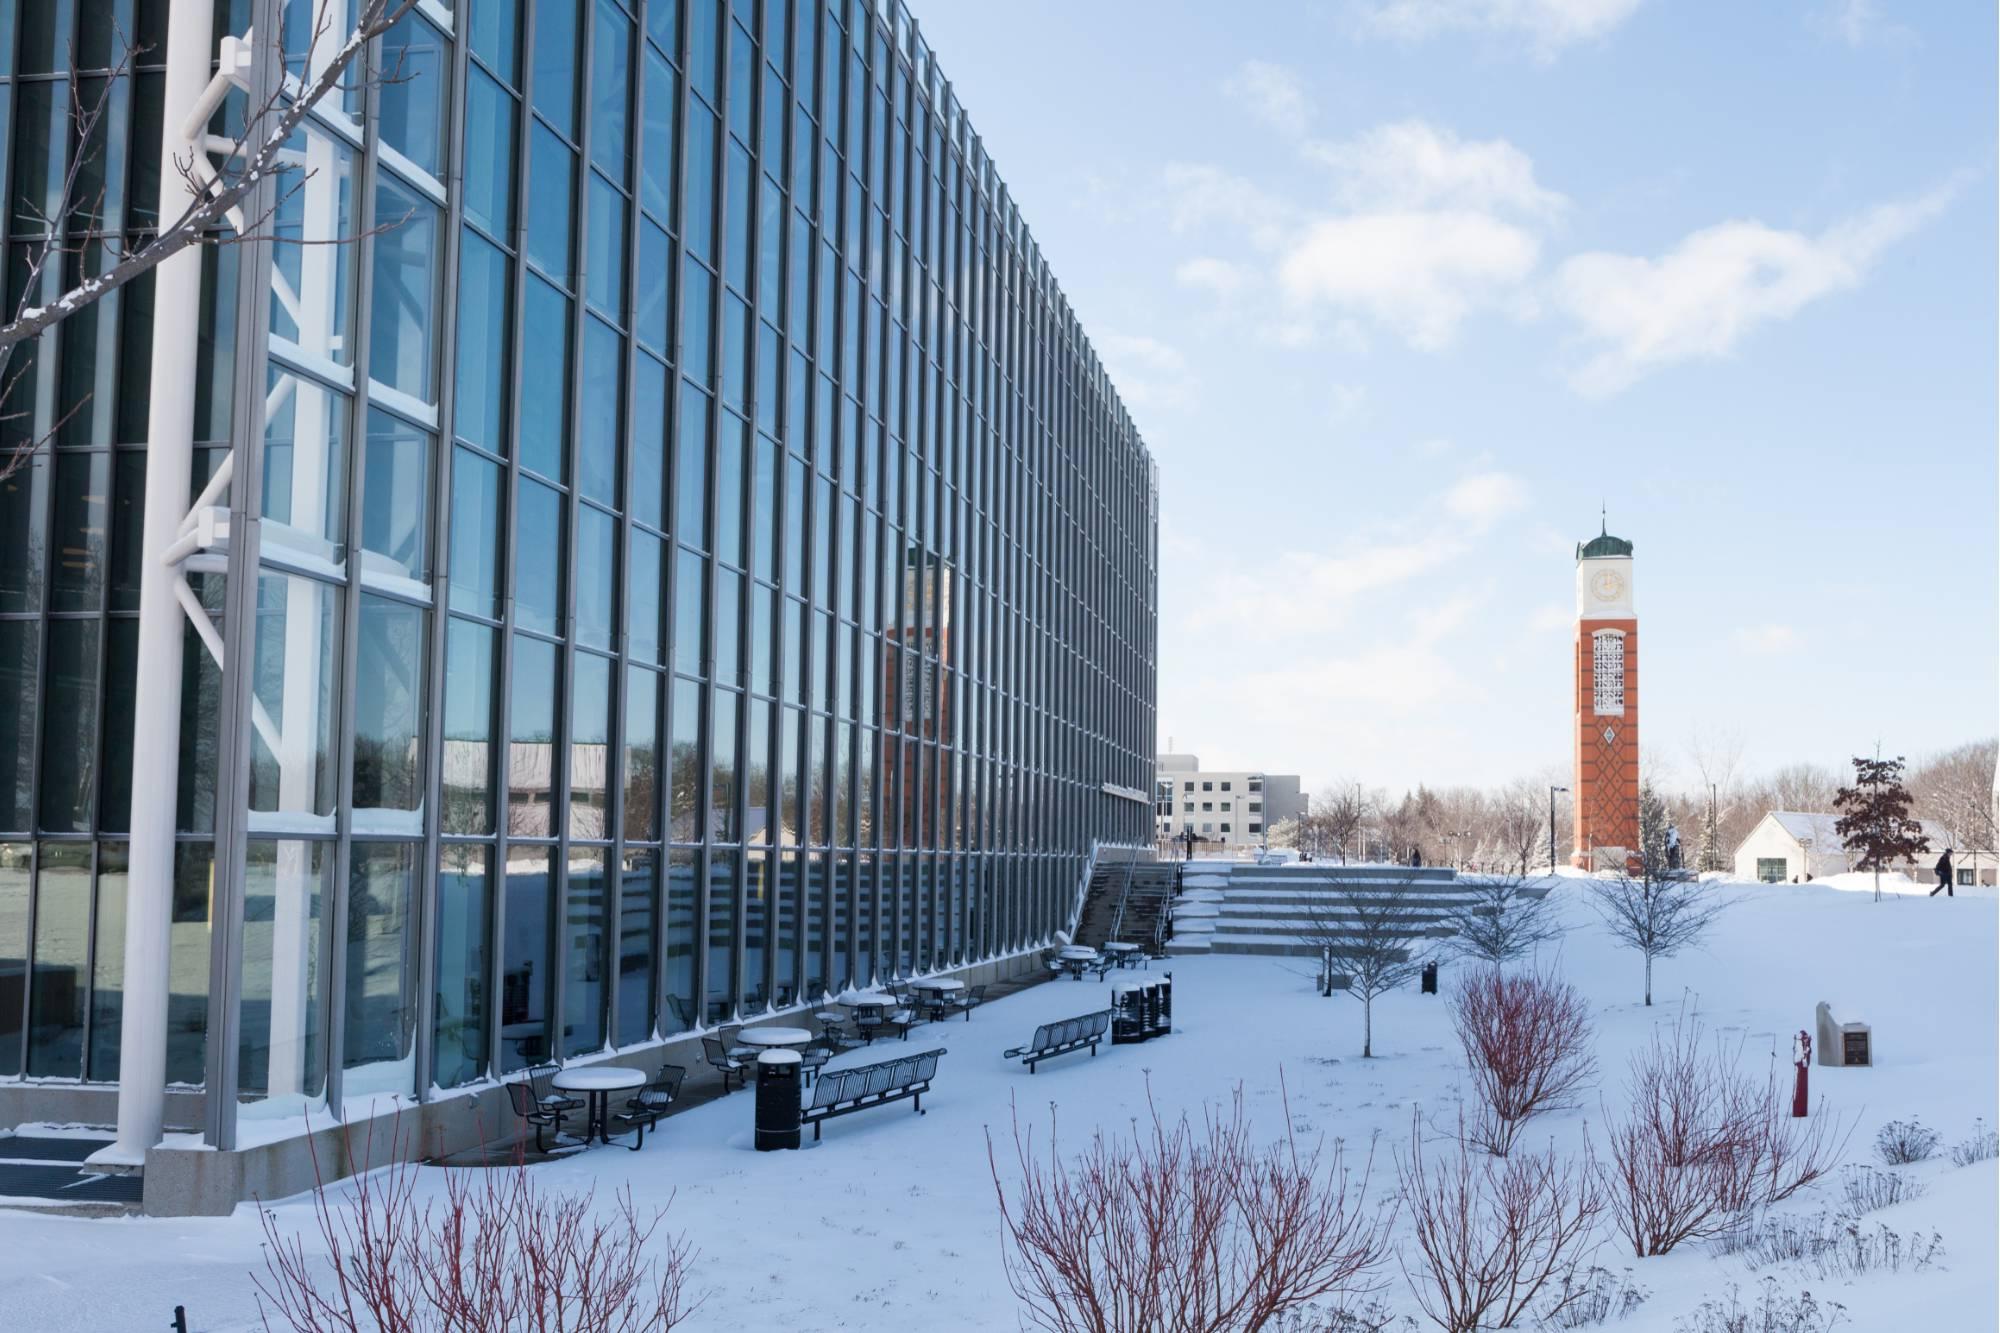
(1607, 585)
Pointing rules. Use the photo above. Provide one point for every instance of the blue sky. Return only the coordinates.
(1400, 291)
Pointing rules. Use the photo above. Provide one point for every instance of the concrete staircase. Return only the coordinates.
(1147, 889)
(1227, 907)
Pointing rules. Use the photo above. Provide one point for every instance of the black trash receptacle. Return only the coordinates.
(777, 1100)
(1430, 978)
(1128, 1019)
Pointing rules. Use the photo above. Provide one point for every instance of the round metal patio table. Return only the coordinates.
(599, 1082)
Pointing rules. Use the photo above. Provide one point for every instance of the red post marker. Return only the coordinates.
(1801, 1058)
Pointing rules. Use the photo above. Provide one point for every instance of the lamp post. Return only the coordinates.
(1552, 826)
(1714, 848)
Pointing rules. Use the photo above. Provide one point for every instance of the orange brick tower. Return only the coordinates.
(1607, 706)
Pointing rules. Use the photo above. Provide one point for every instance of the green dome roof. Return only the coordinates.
(1603, 544)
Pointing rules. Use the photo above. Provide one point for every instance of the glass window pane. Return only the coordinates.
(416, 91)
(696, 338)
(532, 735)
(605, 270)
(554, 73)
(652, 319)
(282, 1057)
(728, 623)
(586, 946)
(756, 932)
(468, 728)
(589, 741)
(69, 727)
(691, 485)
(603, 388)
(656, 173)
(596, 575)
(458, 1052)
(496, 28)
(296, 680)
(107, 971)
(736, 268)
(690, 611)
(488, 179)
(704, 47)
(763, 510)
(698, 209)
(722, 823)
(312, 300)
(642, 597)
(128, 516)
(16, 881)
(734, 439)
(395, 505)
(57, 977)
(23, 502)
(551, 202)
(538, 546)
(742, 82)
(475, 533)
(187, 966)
(684, 795)
(485, 280)
(545, 383)
(642, 744)
(648, 439)
(721, 998)
(305, 466)
(611, 83)
(524, 960)
(121, 667)
(680, 1013)
(380, 1002)
(389, 740)
(638, 909)
(82, 523)
(735, 351)
(404, 314)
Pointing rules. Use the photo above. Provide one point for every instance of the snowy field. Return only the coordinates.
(890, 1223)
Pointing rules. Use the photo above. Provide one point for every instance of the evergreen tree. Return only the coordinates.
(1875, 824)
(1653, 823)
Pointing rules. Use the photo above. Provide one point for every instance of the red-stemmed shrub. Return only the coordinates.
(499, 1254)
(1527, 1038)
(1180, 1229)
(1702, 1143)
(1497, 1237)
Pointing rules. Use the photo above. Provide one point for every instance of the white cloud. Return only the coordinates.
(1401, 678)
(1420, 273)
(1146, 371)
(1860, 23)
(1551, 616)
(1549, 25)
(1414, 165)
(1274, 95)
(1700, 298)
(1198, 195)
(1766, 640)
(1484, 498)
(1217, 276)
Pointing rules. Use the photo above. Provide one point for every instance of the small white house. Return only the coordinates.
(1789, 845)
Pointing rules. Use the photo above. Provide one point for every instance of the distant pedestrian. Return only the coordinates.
(1416, 855)
(1944, 875)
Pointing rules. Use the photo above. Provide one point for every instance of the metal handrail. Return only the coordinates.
(1118, 918)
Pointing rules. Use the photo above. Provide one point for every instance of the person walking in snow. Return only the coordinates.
(1944, 875)
(1416, 855)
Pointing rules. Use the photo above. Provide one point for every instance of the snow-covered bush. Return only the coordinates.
(1369, 1317)
(1834, 1245)
(1496, 1237)
(1867, 1189)
(1527, 1039)
(501, 1254)
(1596, 1297)
(1901, 1142)
(1702, 1143)
(1982, 1145)
(1773, 1312)
(1183, 1230)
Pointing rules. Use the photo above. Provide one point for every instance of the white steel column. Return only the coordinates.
(149, 903)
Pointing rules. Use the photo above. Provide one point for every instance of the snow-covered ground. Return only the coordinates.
(890, 1223)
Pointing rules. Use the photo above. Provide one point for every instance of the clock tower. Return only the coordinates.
(1606, 786)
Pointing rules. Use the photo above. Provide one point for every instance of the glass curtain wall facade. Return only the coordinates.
(703, 563)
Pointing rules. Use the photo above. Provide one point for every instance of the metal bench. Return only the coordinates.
(1063, 1036)
(839, 1091)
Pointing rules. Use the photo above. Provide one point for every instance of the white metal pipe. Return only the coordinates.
(218, 481)
(149, 901)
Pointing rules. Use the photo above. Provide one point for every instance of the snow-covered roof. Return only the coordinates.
(1801, 824)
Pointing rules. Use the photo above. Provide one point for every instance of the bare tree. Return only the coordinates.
(1527, 1041)
(92, 265)
(1956, 790)
(1491, 1236)
(1808, 787)
(1518, 822)
(1370, 938)
(1654, 915)
(1339, 817)
(1498, 918)
(1715, 755)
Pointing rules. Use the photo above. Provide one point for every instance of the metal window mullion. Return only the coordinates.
(240, 613)
(429, 895)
